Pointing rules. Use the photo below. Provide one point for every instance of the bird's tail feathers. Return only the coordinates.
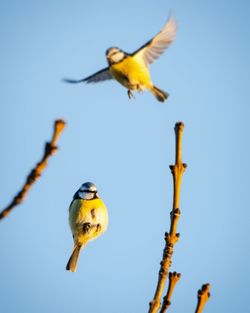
(72, 263)
(158, 93)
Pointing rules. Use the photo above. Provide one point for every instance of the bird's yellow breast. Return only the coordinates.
(131, 72)
(93, 212)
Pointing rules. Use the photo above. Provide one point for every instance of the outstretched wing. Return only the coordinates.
(152, 49)
(99, 76)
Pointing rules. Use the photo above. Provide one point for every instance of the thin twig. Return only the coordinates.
(173, 279)
(50, 149)
(203, 296)
(172, 237)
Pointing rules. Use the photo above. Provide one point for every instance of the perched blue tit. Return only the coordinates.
(132, 69)
(88, 219)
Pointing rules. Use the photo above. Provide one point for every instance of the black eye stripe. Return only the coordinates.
(113, 53)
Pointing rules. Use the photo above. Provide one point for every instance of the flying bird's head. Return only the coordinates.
(87, 191)
(115, 55)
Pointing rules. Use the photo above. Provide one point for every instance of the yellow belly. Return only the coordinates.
(131, 73)
(87, 211)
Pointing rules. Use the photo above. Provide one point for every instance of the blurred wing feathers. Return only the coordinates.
(151, 50)
(99, 76)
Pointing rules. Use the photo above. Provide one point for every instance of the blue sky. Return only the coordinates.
(125, 147)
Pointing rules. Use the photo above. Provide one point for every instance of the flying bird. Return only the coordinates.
(88, 219)
(132, 69)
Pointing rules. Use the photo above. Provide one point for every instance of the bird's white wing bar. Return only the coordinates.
(152, 49)
(99, 76)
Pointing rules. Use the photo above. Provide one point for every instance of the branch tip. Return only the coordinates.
(179, 126)
(59, 125)
(173, 279)
(203, 296)
(49, 150)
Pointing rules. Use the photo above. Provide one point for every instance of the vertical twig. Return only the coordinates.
(173, 279)
(172, 237)
(50, 149)
(203, 296)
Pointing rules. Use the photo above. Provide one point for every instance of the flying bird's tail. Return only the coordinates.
(158, 93)
(71, 265)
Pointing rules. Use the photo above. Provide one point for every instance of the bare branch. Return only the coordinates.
(173, 279)
(203, 296)
(50, 149)
(172, 237)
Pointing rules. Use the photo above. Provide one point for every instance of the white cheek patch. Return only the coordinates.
(85, 195)
(117, 57)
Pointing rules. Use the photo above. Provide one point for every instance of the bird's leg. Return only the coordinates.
(130, 94)
(91, 228)
(86, 227)
(98, 228)
(139, 88)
